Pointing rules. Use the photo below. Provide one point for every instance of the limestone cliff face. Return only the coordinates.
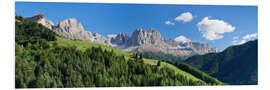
(150, 37)
(73, 30)
(40, 18)
(121, 39)
(139, 41)
(70, 29)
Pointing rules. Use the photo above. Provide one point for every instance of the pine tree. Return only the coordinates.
(159, 62)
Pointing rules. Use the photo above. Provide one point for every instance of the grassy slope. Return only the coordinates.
(170, 66)
(82, 45)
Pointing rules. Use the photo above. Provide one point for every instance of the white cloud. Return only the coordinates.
(169, 23)
(111, 35)
(250, 36)
(237, 41)
(182, 39)
(242, 42)
(185, 17)
(213, 29)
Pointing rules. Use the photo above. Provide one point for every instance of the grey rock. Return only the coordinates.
(70, 29)
(141, 37)
(121, 39)
(40, 18)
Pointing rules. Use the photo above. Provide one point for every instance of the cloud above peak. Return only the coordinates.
(182, 38)
(213, 29)
(185, 17)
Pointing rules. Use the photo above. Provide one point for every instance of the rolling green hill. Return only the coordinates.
(45, 60)
(235, 65)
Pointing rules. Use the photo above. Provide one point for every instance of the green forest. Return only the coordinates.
(237, 65)
(40, 63)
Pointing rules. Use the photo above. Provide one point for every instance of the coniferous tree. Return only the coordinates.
(159, 62)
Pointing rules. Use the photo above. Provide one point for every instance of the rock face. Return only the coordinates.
(142, 37)
(121, 39)
(72, 30)
(40, 18)
(140, 40)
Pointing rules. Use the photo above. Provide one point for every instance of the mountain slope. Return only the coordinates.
(43, 60)
(235, 65)
(187, 70)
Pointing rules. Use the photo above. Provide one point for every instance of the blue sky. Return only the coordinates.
(232, 23)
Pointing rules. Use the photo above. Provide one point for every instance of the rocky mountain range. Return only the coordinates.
(71, 29)
(140, 40)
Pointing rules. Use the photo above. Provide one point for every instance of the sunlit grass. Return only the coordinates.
(83, 45)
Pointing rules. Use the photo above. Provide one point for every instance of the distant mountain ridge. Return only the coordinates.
(140, 40)
(151, 40)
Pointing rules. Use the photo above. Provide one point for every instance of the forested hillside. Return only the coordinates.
(41, 61)
(235, 65)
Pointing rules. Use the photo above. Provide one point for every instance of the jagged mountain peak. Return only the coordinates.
(140, 37)
(40, 18)
(70, 25)
(121, 39)
(70, 21)
(151, 30)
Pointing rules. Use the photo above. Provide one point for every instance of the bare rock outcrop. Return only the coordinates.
(40, 18)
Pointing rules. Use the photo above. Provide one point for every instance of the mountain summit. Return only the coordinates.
(150, 37)
(40, 18)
